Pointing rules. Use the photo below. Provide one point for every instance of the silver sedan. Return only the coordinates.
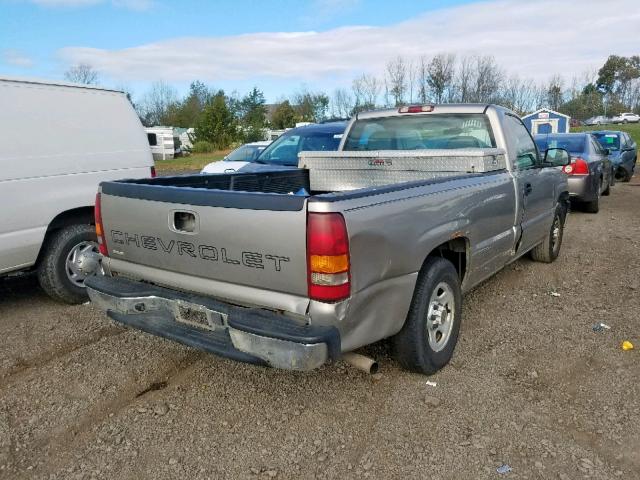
(591, 171)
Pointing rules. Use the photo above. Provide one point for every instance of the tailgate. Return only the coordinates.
(251, 239)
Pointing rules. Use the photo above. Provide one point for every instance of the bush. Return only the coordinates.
(203, 146)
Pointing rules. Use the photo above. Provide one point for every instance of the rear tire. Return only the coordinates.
(549, 249)
(430, 333)
(53, 266)
(594, 206)
(628, 175)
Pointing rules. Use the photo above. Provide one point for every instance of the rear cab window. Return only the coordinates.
(420, 132)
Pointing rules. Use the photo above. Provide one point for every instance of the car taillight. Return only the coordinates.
(578, 167)
(102, 241)
(328, 257)
(153, 172)
(416, 109)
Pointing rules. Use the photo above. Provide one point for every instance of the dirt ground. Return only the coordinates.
(531, 385)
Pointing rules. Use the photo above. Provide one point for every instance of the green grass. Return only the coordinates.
(193, 162)
(632, 129)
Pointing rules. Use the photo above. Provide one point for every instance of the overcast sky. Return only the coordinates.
(280, 45)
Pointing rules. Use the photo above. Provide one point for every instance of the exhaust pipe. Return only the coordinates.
(361, 362)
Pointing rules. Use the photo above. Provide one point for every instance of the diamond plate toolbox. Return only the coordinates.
(339, 171)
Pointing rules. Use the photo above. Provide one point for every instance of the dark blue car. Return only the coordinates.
(623, 152)
(283, 152)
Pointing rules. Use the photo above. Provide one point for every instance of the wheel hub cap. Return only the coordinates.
(82, 261)
(440, 316)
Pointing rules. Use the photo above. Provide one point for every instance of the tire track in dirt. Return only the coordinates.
(24, 367)
(59, 447)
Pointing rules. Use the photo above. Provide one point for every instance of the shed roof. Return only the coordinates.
(546, 110)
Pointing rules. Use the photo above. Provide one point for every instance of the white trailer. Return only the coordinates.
(161, 142)
(185, 135)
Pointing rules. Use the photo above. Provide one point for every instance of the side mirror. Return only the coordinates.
(558, 157)
(607, 151)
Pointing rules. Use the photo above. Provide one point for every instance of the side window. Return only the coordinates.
(526, 152)
(153, 140)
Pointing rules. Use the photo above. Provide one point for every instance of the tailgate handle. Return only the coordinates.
(184, 221)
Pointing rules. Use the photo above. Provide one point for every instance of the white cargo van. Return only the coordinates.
(61, 141)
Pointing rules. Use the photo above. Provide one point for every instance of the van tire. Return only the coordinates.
(52, 268)
(549, 249)
(412, 345)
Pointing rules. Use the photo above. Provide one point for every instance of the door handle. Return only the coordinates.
(527, 189)
(184, 222)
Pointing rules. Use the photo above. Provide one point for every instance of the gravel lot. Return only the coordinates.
(531, 385)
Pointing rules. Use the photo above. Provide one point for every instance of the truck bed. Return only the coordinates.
(322, 174)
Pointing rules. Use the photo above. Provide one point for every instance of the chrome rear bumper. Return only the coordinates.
(249, 335)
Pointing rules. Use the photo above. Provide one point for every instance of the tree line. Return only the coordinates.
(222, 119)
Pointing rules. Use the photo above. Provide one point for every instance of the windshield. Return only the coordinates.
(245, 153)
(608, 140)
(571, 143)
(284, 151)
(421, 132)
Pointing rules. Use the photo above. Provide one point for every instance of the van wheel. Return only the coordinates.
(549, 250)
(70, 255)
(430, 333)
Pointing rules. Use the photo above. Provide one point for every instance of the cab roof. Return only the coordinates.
(469, 108)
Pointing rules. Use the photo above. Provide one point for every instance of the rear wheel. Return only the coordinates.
(549, 250)
(594, 205)
(430, 333)
(70, 255)
(626, 175)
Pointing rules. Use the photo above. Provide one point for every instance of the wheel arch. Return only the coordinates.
(75, 216)
(457, 251)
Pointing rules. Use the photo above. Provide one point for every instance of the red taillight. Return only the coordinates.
(153, 172)
(578, 167)
(102, 242)
(328, 257)
(416, 109)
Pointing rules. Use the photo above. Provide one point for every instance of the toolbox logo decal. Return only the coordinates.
(259, 260)
(379, 162)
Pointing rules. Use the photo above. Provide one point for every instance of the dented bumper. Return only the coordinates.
(250, 335)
